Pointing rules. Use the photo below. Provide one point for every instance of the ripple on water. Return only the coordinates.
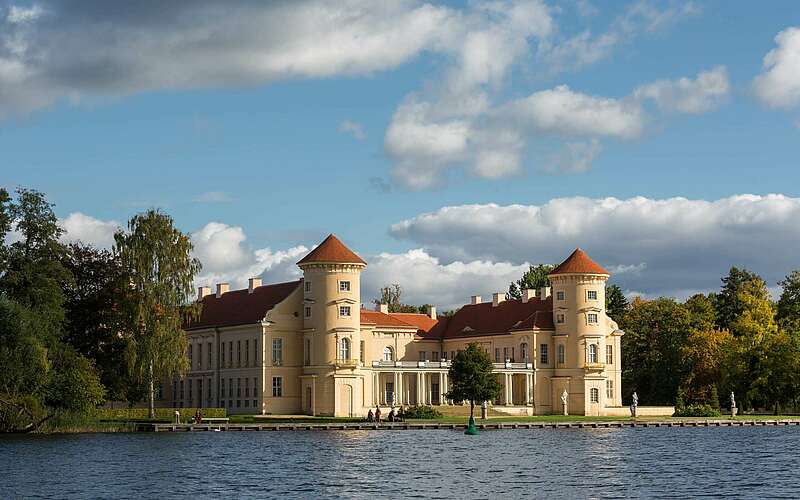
(570, 463)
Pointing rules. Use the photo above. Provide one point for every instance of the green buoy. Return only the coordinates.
(471, 429)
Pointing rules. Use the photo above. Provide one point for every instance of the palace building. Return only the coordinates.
(308, 346)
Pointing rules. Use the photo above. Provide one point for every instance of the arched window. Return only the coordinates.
(561, 354)
(344, 348)
(592, 353)
(594, 395)
(523, 350)
(388, 354)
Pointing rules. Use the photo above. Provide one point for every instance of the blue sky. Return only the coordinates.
(201, 129)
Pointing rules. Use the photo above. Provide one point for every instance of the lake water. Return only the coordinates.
(540, 463)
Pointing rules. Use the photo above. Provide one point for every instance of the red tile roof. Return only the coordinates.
(332, 250)
(485, 319)
(579, 262)
(394, 320)
(240, 307)
(423, 322)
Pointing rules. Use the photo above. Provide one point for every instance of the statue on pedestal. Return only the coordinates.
(634, 403)
(734, 410)
(564, 400)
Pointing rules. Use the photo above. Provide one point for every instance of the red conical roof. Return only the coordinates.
(579, 263)
(332, 250)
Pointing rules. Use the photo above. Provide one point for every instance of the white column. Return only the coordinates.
(419, 387)
(509, 394)
(441, 389)
(527, 388)
(446, 388)
(400, 392)
(396, 383)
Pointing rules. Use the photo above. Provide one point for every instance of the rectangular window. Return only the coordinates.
(277, 352)
(560, 318)
(560, 295)
(435, 355)
(344, 311)
(594, 395)
(238, 387)
(422, 355)
(609, 390)
(230, 354)
(191, 365)
(230, 391)
(609, 355)
(174, 389)
(199, 356)
(308, 286)
(561, 354)
(308, 352)
(512, 354)
(238, 353)
(255, 352)
(277, 387)
(208, 391)
(190, 393)
(200, 392)
(344, 286)
(592, 318)
(591, 295)
(505, 354)
(496, 354)
(255, 389)
(247, 403)
(444, 355)
(246, 353)
(453, 355)
(247, 387)
(543, 354)
(307, 312)
(222, 355)
(181, 390)
(222, 388)
(210, 362)
(361, 353)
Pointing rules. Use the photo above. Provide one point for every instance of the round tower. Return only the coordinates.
(581, 325)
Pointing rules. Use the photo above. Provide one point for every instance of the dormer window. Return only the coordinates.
(591, 295)
(560, 295)
(344, 286)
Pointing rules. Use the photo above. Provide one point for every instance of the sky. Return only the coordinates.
(450, 144)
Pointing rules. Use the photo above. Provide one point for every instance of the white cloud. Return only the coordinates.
(563, 111)
(354, 129)
(213, 197)
(778, 86)
(62, 51)
(686, 95)
(663, 245)
(83, 228)
(574, 157)
(424, 280)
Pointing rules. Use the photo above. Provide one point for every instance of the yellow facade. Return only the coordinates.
(317, 352)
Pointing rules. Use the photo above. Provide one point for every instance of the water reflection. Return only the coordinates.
(569, 463)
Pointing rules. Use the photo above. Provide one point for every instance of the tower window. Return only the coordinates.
(344, 311)
(591, 295)
(592, 318)
(560, 295)
(344, 286)
(307, 285)
(592, 356)
(560, 318)
(307, 312)
(344, 348)
(561, 354)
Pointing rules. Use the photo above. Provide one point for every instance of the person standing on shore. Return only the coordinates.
(378, 414)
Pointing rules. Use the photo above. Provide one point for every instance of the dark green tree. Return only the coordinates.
(160, 270)
(616, 303)
(655, 334)
(702, 312)
(5, 225)
(533, 279)
(788, 307)
(471, 378)
(727, 302)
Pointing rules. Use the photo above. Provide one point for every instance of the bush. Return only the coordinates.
(422, 412)
(696, 411)
(161, 413)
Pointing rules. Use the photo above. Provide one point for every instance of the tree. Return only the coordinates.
(616, 303)
(727, 301)
(702, 312)
(92, 302)
(788, 310)
(391, 296)
(5, 225)
(533, 279)
(655, 333)
(471, 378)
(156, 258)
(703, 353)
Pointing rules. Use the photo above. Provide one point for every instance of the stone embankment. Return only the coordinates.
(359, 426)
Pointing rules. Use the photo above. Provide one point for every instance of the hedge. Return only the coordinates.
(696, 410)
(161, 413)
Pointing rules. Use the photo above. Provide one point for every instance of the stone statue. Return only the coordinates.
(733, 401)
(564, 399)
(634, 403)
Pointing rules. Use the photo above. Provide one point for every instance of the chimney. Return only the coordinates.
(497, 298)
(527, 295)
(383, 308)
(432, 312)
(252, 284)
(222, 288)
(475, 299)
(202, 291)
(544, 292)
